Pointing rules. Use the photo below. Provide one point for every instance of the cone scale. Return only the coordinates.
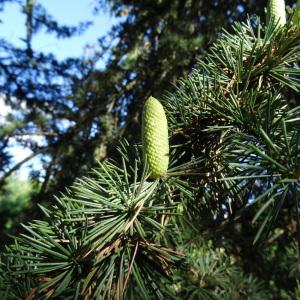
(276, 12)
(155, 138)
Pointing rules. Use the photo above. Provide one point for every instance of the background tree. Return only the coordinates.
(35, 86)
(15, 200)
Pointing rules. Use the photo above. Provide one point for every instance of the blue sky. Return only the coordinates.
(66, 12)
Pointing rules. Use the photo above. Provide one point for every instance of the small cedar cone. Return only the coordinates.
(155, 138)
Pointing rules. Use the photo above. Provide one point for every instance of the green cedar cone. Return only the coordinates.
(155, 138)
(276, 12)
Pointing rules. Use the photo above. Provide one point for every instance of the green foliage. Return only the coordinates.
(296, 16)
(14, 200)
(104, 237)
(252, 133)
(214, 275)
